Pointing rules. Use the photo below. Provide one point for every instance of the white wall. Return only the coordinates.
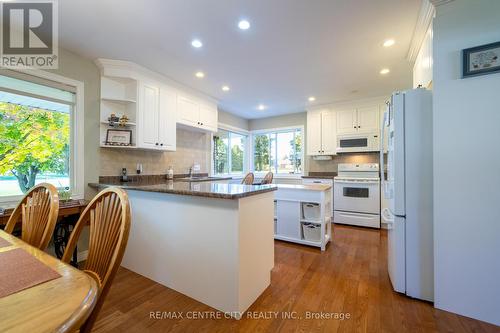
(466, 164)
(230, 119)
(78, 68)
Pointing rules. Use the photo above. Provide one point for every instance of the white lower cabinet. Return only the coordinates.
(303, 214)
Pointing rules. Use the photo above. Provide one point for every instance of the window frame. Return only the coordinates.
(246, 153)
(77, 156)
(253, 133)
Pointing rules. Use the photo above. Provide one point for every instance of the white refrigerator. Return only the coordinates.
(408, 190)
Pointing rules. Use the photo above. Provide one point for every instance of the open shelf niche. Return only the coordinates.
(118, 97)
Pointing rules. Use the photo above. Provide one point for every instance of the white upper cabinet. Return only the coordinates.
(167, 132)
(329, 132)
(360, 120)
(157, 117)
(368, 119)
(208, 117)
(314, 129)
(321, 132)
(422, 69)
(188, 111)
(149, 110)
(346, 121)
(198, 115)
(152, 106)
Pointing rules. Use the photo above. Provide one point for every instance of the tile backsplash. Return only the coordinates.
(331, 166)
(192, 147)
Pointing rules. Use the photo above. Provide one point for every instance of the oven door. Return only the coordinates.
(362, 196)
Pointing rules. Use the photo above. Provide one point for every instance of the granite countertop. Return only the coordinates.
(205, 189)
(321, 175)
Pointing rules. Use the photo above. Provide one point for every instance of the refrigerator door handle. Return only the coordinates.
(382, 140)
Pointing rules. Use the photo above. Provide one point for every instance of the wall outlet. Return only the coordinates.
(196, 168)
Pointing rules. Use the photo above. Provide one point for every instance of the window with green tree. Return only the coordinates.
(35, 139)
(229, 153)
(278, 151)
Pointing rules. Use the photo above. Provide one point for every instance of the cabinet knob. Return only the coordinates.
(161, 144)
(156, 143)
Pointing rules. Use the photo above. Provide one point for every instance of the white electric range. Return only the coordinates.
(357, 195)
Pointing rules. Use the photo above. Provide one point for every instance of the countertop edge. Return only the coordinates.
(143, 188)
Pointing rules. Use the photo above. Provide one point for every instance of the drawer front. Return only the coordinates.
(362, 220)
(308, 181)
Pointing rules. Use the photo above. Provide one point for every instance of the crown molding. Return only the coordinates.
(425, 16)
(131, 70)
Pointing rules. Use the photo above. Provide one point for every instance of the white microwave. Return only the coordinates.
(355, 143)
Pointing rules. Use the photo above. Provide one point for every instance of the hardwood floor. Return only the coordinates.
(350, 277)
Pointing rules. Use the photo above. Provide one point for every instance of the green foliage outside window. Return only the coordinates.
(33, 141)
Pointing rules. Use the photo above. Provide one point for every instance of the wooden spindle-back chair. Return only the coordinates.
(248, 180)
(38, 212)
(108, 217)
(268, 179)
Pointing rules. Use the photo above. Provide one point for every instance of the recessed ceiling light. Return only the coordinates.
(196, 43)
(389, 42)
(243, 24)
(199, 75)
(261, 107)
(225, 88)
(312, 99)
(384, 71)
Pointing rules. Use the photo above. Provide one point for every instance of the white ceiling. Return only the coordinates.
(331, 49)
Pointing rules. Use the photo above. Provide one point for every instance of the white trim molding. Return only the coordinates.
(425, 16)
(232, 128)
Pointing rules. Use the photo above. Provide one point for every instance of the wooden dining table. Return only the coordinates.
(69, 212)
(59, 305)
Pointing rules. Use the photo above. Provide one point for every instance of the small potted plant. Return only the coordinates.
(64, 194)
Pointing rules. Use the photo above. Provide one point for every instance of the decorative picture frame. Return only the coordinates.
(481, 60)
(119, 137)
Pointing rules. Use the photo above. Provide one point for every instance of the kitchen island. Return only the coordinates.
(210, 241)
(303, 214)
